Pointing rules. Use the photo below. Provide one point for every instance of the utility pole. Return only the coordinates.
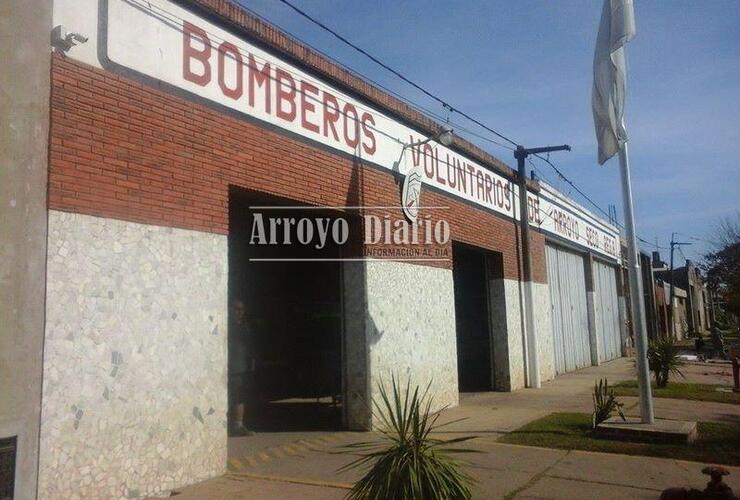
(521, 153)
(674, 244)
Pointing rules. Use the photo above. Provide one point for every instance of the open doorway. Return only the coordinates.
(474, 354)
(285, 349)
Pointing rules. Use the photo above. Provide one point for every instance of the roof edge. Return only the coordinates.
(268, 34)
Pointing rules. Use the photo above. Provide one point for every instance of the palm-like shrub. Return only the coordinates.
(605, 403)
(408, 463)
(663, 360)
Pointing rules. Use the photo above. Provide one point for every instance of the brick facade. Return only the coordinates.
(231, 14)
(125, 150)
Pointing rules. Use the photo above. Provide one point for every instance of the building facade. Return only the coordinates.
(689, 279)
(190, 146)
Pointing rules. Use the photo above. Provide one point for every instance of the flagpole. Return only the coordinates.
(636, 293)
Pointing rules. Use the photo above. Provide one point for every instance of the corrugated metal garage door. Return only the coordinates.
(567, 282)
(606, 308)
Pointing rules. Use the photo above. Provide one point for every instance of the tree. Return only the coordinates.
(722, 265)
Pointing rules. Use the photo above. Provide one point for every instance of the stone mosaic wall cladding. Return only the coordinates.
(513, 294)
(134, 394)
(410, 327)
(514, 297)
(543, 327)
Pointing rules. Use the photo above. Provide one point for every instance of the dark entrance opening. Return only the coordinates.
(290, 352)
(8, 448)
(472, 319)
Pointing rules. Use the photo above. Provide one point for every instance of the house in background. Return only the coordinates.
(690, 311)
(689, 279)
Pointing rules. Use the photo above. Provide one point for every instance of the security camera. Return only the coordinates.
(65, 40)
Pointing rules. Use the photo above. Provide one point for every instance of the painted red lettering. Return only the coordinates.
(307, 105)
(370, 148)
(351, 123)
(189, 32)
(440, 179)
(259, 77)
(451, 178)
(227, 50)
(331, 115)
(285, 92)
(479, 182)
(428, 161)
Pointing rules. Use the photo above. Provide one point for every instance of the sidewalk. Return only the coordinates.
(502, 471)
(304, 465)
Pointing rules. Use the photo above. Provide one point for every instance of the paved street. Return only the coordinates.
(304, 465)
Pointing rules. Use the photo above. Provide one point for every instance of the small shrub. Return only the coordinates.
(409, 463)
(605, 403)
(663, 360)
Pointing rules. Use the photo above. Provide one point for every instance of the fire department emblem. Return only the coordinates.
(411, 194)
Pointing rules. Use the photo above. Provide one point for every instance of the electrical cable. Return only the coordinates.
(448, 106)
(397, 73)
(174, 21)
(418, 107)
(362, 76)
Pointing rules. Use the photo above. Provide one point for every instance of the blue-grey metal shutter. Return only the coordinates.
(606, 307)
(567, 283)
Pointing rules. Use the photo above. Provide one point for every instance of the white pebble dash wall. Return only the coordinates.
(134, 393)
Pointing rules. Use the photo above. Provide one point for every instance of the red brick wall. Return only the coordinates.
(124, 150)
(232, 14)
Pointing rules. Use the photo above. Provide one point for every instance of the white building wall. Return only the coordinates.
(409, 326)
(134, 393)
(515, 342)
(543, 328)
(508, 344)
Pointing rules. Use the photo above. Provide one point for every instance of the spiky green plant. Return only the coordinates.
(407, 462)
(663, 360)
(605, 403)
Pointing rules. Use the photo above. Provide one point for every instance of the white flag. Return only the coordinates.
(610, 76)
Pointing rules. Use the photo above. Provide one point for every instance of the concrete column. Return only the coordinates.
(399, 321)
(355, 349)
(499, 326)
(25, 27)
(593, 334)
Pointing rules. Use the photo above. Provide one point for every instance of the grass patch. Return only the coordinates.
(717, 443)
(681, 390)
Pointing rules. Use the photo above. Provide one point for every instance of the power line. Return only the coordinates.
(539, 172)
(701, 240)
(562, 176)
(433, 96)
(168, 18)
(418, 107)
(421, 108)
(397, 73)
(431, 114)
(452, 109)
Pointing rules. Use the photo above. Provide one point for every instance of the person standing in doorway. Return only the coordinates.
(241, 367)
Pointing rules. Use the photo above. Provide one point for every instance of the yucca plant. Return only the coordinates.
(408, 463)
(663, 360)
(605, 403)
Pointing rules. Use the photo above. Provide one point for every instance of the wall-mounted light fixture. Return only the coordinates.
(444, 137)
(65, 40)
